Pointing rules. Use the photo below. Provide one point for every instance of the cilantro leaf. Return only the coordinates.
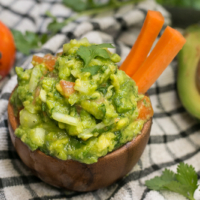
(83, 5)
(93, 70)
(77, 5)
(183, 182)
(54, 26)
(177, 187)
(44, 38)
(105, 45)
(88, 53)
(186, 175)
(28, 41)
(158, 183)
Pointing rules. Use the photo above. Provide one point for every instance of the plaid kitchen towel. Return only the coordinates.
(175, 135)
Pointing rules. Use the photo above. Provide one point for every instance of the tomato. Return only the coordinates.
(145, 108)
(7, 50)
(67, 87)
(48, 60)
(37, 60)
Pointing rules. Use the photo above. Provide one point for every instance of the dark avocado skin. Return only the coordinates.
(188, 59)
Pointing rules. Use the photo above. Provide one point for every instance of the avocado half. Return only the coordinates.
(188, 82)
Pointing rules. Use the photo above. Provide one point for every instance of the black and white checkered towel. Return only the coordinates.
(175, 135)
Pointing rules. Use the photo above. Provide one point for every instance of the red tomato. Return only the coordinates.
(7, 50)
(48, 60)
(37, 60)
(67, 87)
(145, 108)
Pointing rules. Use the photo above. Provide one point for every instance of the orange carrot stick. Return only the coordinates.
(169, 44)
(150, 30)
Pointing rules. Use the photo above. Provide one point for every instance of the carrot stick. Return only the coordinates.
(169, 44)
(150, 30)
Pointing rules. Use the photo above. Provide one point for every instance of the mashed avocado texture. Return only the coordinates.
(77, 105)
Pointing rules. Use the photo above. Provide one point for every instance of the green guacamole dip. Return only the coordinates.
(82, 108)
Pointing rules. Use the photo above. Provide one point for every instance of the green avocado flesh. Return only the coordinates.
(188, 59)
(97, 117)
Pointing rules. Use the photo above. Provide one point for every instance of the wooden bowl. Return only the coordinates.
(76, 176)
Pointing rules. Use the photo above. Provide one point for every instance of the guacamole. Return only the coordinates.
(77, 105)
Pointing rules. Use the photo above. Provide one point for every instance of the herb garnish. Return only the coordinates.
(93, 69)
(88, 53)
(30, 41)
(183, 182)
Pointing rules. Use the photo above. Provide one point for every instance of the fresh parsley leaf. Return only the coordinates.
(93, 70)
(28, 41)
(183, 182)
(88, 53)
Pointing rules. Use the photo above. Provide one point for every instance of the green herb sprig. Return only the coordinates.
(181, 3)
(88, 53)
(183, 182)
(92, 70)
(28, 41)
(31, 41)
